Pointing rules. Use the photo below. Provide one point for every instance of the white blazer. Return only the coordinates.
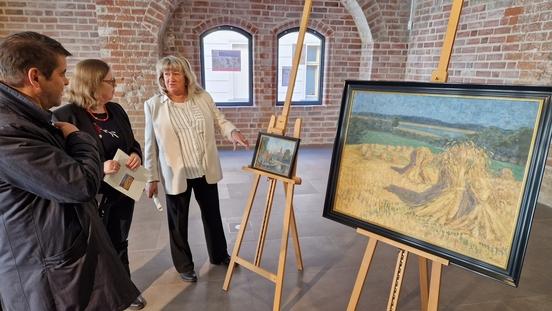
(162, 154)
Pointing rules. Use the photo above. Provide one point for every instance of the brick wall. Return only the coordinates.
(131, 35)
(498, 42)
(388, 21)
(504, 42)
(129, 43)
(73, 23)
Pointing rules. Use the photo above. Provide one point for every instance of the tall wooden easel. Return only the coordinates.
(276, 126)
(429, 288)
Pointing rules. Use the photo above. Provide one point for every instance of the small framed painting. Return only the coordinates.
(275, 154)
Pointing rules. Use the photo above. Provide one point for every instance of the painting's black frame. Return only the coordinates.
(293, 158)
(512, 273)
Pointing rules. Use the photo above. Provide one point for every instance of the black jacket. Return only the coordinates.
(79, 117)
(54, 251)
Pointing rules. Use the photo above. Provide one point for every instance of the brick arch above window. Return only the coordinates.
(225, 21)
(316, 25)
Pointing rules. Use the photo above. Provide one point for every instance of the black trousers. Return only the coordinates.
(116, 210)
(177, 210)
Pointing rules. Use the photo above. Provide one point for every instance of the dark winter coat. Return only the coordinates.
(54, 252)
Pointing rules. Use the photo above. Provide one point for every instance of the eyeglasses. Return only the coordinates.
(113, 82)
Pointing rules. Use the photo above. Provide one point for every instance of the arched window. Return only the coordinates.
(308, 84)
(227, 66)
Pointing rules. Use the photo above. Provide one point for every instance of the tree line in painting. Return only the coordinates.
(509, 146)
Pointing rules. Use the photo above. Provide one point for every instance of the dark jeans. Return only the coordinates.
(177, 210)
(117, 210)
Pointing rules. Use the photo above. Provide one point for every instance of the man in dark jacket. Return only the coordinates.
(54, 251)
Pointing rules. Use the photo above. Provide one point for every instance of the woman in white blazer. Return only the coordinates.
(181, 152)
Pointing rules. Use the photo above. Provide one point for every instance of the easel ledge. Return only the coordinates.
(294, 180)
(403, 246)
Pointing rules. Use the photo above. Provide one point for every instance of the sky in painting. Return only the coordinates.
(502, 113)
(276, 144)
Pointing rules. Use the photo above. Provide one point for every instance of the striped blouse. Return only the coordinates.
(189, 124)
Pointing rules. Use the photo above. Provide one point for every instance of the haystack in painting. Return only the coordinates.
(418, 169)
(462, 198)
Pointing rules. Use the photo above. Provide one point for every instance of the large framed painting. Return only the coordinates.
(453, 170)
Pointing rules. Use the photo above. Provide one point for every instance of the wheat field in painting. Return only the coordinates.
(449, 198)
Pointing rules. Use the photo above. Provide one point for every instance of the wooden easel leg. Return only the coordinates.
(361, 276)
(424, 286)
(295, 238)
(441, 73)
(434, 287)
(266, 220)
(436, 268)
(283, 248)
(241, 232)
(402, 257)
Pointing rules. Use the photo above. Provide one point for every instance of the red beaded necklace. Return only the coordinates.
(99, 119)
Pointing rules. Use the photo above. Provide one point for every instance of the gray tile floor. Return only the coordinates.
(331, 253)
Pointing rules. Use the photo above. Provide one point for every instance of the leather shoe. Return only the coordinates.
(189, 276)
(138, 304)
(224, 261)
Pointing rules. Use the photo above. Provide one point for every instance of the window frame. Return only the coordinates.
(250, 61)
(322, 38)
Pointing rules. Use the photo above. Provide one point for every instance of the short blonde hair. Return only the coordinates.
(177, 64)
(88, 76)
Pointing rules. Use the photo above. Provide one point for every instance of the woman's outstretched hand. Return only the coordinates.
(238, 138)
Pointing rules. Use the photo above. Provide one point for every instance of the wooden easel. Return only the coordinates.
(429, 288)
(275, 126)
(432, 299)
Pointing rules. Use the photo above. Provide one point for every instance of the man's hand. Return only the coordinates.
(66, 128)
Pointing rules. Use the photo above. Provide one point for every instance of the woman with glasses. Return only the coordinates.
(90, 108)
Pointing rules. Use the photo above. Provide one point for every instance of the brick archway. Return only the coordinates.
(157, 15)
(225, 20)
(317, 25)
(365, 34)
